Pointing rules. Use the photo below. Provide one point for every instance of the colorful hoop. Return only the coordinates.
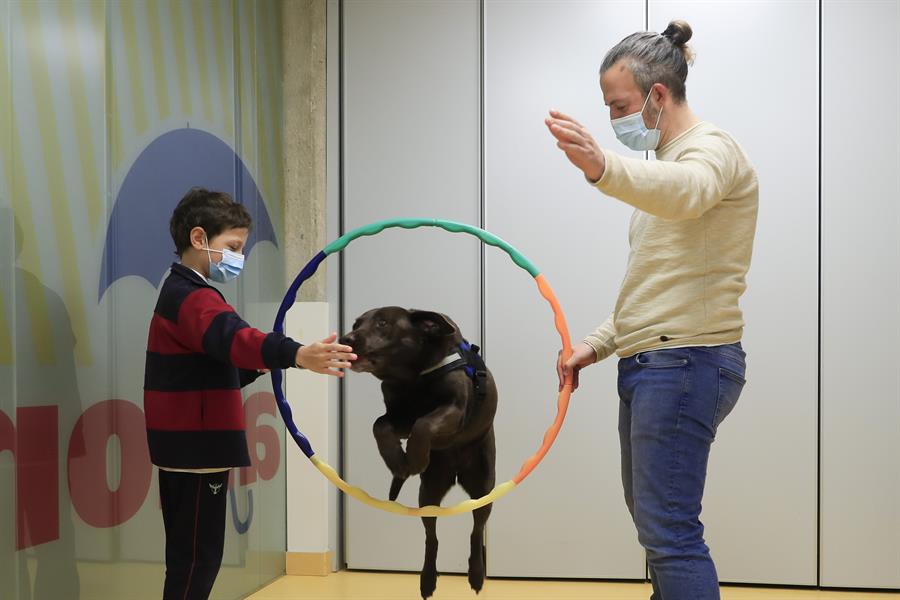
(562, 401)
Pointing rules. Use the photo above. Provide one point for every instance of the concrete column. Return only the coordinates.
(303, 27)
(312, 504)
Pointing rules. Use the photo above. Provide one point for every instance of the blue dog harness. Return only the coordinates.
(466, 357)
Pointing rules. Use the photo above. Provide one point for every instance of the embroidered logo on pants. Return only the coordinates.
(215, 487)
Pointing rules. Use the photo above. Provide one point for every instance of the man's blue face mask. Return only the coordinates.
(632, 131)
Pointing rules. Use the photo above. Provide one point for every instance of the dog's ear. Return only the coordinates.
(432, 323)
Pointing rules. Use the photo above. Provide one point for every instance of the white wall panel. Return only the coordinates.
(756, 76)
(411, 149)
(860, 540)
(569, 518)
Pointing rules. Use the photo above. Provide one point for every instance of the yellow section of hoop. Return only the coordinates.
(401, 509)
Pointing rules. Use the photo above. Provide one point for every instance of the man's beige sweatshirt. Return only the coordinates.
(691, 240)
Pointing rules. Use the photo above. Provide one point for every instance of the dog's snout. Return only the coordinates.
(348, 340)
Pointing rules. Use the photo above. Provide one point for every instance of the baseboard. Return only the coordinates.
(308, 563)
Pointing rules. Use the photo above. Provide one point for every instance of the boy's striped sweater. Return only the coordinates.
(200, 353)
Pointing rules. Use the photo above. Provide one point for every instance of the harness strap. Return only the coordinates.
(466, 357)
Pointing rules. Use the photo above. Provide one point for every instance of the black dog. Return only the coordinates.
(441, 398)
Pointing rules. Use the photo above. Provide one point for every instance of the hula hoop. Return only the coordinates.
(562, 404)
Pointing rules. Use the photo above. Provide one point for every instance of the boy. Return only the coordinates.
(200, 354)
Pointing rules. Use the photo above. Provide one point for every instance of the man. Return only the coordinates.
(677, 325)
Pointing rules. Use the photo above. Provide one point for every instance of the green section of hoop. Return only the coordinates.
(451, 226)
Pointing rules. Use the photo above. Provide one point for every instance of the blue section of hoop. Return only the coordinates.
(277, 378)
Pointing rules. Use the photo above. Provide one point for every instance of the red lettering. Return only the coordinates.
(94, 502)
(266, 467)
(33, 442)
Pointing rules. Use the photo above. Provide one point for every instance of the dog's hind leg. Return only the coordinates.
(478, 480)
(437, 479)
(476, 546)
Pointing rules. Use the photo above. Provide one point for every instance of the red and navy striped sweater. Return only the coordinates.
(199, 355)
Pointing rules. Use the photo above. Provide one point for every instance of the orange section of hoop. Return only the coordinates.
(562, 403)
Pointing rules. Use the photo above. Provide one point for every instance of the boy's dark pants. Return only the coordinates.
(193, 507)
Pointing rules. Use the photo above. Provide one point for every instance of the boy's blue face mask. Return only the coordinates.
(226, 269)
(632, 131)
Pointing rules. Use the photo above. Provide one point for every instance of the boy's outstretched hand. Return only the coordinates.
(326, 357)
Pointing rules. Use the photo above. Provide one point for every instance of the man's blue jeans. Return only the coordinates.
(671, 402)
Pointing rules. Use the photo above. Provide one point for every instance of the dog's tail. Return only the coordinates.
(396, 485)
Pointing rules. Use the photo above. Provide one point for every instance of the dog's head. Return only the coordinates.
(395, 343)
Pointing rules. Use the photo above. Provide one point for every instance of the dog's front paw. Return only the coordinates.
(396, 486)
(417, 464)
(428, 582)
(397, 464)
(400, 470)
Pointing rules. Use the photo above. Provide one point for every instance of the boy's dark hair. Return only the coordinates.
(213, 211)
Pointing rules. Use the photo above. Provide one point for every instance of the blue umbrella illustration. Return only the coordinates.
(137, 239)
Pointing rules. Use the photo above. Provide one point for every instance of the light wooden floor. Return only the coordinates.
(393, 586)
